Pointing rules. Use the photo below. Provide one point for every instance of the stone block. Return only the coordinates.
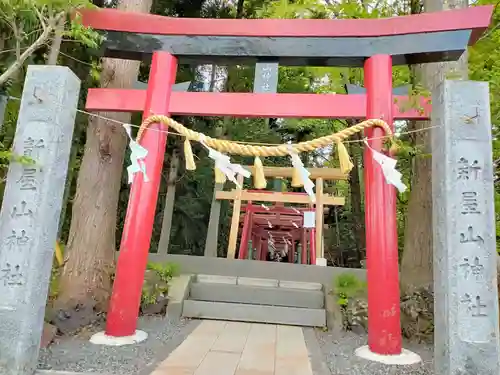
(252, 281)
(465, 287)
(216, 279)
(31, 208)
(300, 285)
(178, 291)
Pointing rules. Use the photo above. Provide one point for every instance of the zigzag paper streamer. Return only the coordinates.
(137, 156)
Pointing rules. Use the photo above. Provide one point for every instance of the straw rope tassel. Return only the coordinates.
(220, 177)
(188, 156)
(296, 178)
(259, 179)
(344, 158)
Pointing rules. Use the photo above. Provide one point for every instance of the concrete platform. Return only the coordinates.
(257, 269)
(257, 295)
(254, 313)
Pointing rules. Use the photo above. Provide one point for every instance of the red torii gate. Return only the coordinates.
(375, 44)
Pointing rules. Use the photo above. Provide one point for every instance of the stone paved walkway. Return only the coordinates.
(232, 348)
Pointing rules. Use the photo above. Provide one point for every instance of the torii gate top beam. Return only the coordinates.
(422, 38)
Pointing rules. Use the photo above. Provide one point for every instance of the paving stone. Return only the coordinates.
(300, 285)
(293, 366)
(219, 363)
(190, 353)
(251, 281)
(240, 371)
(233, 338)
(173, 371)
(210, 328)
(259, 351)
(290, 342)
(216, 279)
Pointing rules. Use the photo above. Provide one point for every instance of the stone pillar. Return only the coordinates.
(465, 276)
(30, 213)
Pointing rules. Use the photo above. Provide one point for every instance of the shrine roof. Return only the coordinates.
(422, 38)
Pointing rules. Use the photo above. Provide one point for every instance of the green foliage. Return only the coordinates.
(7, 156)
(27, 26)
(347, 286)
(156, 282)
(164, 271)
(87, 36)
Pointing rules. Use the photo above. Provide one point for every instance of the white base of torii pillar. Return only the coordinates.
(405, 358)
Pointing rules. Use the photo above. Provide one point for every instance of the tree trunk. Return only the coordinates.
(416, 264)
(86, 278)
(55, 46)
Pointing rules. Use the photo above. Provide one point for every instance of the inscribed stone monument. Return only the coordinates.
(30, 212)
(465, 276)
(266, 77)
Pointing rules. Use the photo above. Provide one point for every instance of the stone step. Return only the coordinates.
(253, 281)
(254, 313)
(256, 295)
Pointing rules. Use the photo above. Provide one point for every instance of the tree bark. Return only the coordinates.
(87, 276)
(55, 46)
(416, 264)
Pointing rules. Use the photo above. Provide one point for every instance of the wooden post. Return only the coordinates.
(235, 221)
(291, 252)
(213, 224)
(303, 242)
(312, 246)
(249, 252)
(258, 247)
(264, 249)
(246, 233)
(168, 210)
(319, 221)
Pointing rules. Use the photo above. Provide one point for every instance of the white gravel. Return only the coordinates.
(77, 354)
(338, 353)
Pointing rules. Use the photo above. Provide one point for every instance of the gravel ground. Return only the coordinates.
(338, 351)
(79, 355)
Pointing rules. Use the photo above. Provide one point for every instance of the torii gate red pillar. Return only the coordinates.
(126, 298)
(384, 328)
